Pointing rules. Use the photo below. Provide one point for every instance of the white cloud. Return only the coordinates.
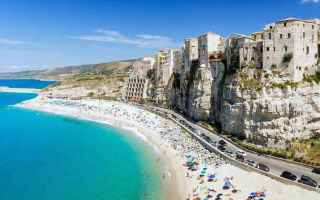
(310, 1)
(142, 40)
(5, 41)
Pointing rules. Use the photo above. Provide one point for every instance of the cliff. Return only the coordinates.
(271, 114)
(262, 106)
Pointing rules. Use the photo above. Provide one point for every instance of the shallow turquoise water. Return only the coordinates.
(45, 156)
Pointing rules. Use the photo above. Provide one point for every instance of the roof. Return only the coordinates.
(291, 19)
(238, 35)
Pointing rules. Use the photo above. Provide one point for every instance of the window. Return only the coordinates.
(304, 35)
(285, 24)
(269, 36)
(308, 50)
(274, 49)
(289, 35)
(268, 49)
(280, 36)
(285, 48)
(312, 27)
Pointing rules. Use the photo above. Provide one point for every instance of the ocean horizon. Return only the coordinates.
(47, 156)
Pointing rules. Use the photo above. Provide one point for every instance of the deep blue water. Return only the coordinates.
(25, 83)
(50, 157)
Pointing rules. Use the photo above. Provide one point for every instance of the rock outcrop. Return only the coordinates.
(271, 116)
(249, 103)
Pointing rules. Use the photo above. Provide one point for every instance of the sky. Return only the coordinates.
(36, 34)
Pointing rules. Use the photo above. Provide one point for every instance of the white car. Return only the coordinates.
(241, 153)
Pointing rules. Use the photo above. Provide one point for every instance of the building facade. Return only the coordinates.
(209, 44)
(292, 46)
(135, 89)
(191, 54)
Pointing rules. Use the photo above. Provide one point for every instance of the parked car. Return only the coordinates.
(230, 153)
(308, 181)
(222, 143)
(214, 143)
(252, 163)
(240, 157)
(316, 170)
(288, 175)
(263, 167)
(221, 148)
(241, 153)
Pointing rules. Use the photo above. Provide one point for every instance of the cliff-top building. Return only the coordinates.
(191, 54)
(210, 45)
(292, 46)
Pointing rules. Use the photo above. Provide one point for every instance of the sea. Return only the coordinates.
(50, 157)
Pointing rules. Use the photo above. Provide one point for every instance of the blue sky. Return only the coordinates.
(47, 33)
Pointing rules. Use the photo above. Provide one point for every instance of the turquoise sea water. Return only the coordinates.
(50, 157)
(25, 83)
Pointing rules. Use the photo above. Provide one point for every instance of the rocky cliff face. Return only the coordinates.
(271, 116)
(249, 104)
(199, 105)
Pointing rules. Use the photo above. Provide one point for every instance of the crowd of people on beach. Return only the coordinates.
(203, 171)
(199, 164)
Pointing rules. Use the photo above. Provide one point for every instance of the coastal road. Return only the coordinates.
(276, 166)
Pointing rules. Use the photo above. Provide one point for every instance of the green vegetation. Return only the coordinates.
(249, 83)
(287, 57)
(90, 94)
(252, 65)
(282, 153)
(307, 151)
(304, 151)
(176, 80)
(284, 85)
(151, 74)
(312, 78)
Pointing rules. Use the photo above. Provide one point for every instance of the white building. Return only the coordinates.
(209, 44)
(291, 46)
(135, 89)
(191, 54)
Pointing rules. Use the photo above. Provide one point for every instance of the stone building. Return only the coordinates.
(209, 44)
(191, 54)
(165, 66)
(291, 46)
(251, 54)
(241, 50)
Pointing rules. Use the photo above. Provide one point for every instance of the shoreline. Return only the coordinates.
(19, 90)
(172, 180)
(172, 146)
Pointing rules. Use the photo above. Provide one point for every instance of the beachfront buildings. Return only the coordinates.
(136, 87)
(167, 62)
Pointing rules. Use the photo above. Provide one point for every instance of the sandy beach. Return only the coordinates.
(210, 177)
